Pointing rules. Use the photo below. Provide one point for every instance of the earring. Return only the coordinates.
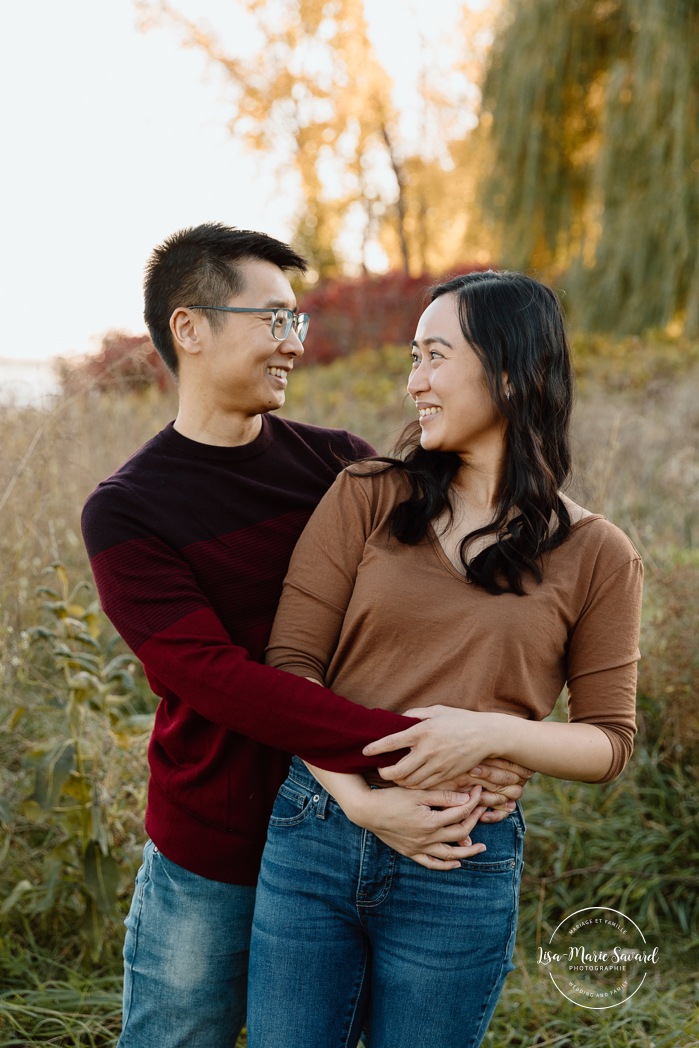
(507, 394)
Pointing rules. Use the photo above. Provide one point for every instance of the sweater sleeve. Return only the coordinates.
(319, 584)
(153, 599)
(602, 660)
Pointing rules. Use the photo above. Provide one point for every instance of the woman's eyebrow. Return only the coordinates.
(430, 342)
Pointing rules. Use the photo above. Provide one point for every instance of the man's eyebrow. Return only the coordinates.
(278, 303)
(430, 342)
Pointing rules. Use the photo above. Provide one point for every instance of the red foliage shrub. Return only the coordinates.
(348, 314)
(124, 362)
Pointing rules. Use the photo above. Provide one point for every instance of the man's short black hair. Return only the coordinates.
(201, 265)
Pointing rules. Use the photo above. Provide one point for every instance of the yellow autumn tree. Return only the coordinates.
(314, 95)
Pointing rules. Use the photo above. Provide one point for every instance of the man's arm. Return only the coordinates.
(150, 594)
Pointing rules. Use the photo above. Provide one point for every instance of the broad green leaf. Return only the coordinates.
(101, 877)
(82, 660)
(92, 928)
(84, 683)
(52, 772)
(62, 576)
(100, 832)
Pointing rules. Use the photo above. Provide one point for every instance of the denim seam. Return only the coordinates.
(499, 981)
(372, 903)
(147, 865)
(306, 806)
(350, 1037)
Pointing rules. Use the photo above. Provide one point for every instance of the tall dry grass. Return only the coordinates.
(634, 841)
(51, 461)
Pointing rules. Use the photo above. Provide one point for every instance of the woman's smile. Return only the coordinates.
(427, 411)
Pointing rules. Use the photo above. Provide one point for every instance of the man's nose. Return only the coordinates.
(292, 345)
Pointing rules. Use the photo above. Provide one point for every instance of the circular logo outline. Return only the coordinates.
(597, 1007)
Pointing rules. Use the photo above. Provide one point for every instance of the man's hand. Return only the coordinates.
(432, 827)
(503, 783)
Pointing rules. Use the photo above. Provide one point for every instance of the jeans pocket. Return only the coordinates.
(502, 866)
(503, 841)
(292, 805)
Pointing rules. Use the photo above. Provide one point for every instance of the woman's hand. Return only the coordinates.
(422, 824)
(443, 748)
(432, 827)
(450, 742)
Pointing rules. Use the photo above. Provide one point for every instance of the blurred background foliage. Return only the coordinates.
(556, 136)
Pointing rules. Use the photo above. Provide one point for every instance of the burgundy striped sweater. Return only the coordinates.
(189, 544)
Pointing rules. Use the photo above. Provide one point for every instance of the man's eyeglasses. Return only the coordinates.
(283, 320)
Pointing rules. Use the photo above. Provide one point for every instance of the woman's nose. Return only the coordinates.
(417, 380)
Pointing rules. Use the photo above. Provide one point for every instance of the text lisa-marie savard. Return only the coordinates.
(617, 955)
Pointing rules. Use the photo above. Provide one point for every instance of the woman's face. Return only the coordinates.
(449, 387)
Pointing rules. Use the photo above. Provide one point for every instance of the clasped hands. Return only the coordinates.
(452, 749)
(453, 783)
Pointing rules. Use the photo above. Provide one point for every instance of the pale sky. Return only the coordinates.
(115, 138)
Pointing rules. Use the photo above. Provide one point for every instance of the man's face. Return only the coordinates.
(247, 368)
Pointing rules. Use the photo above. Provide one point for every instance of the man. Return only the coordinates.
(189, 543)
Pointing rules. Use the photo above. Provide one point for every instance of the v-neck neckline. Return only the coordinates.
(451, 567)
(442, 556)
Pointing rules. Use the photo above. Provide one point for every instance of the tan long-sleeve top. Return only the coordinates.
(398, 626)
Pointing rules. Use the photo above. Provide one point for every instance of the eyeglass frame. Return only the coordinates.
(296, 319)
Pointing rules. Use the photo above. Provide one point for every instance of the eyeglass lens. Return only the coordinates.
(285, 319)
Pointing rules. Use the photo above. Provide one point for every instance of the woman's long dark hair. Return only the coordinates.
(515, 325)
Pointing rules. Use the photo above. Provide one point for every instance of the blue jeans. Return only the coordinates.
(350, 935)
(185, 958)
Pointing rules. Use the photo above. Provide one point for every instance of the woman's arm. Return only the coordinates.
(449, 744)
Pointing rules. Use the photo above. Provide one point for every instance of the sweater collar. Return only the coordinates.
(194, 449)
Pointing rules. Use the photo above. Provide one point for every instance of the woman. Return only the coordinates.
(460, 568)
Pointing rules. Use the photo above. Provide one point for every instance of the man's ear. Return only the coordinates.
(186, 330)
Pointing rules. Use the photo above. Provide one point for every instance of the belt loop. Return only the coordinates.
(320, 801)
